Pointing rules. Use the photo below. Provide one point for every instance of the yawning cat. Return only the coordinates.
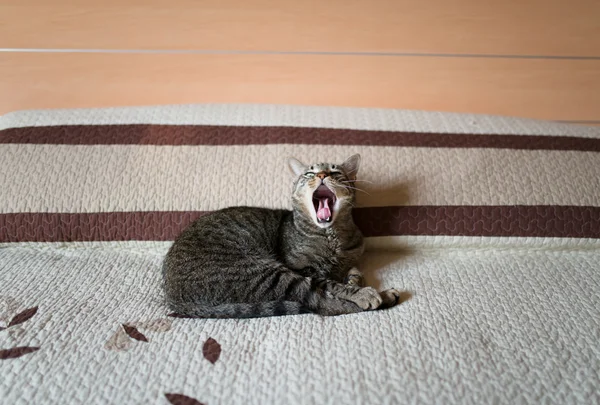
(246, 262)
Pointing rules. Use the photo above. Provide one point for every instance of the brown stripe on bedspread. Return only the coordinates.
(523, 221)
(145, 134)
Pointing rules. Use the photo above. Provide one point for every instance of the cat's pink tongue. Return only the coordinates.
(323, 212)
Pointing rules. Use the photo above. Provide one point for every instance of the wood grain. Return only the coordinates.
(546, 89)
(515, 27)
(585, 124)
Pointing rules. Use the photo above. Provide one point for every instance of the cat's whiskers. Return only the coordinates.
(355, 188)
(352, 181)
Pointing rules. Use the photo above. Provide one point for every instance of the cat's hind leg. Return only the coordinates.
(353, 282)
(310, 293)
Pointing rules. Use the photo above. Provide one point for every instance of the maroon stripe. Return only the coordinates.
(144, 134)
(535, 221)
(87, 227)
(520, 220)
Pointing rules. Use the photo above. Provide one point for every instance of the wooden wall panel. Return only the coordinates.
(547, 89)
(513, 27)
(532, 58)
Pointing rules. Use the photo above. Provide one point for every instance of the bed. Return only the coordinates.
(490, 226)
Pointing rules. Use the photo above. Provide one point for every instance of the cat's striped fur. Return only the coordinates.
(246, 262)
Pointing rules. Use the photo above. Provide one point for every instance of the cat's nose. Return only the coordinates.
(321, 175)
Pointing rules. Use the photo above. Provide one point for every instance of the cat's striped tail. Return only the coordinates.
(319, 305)
(239, 310)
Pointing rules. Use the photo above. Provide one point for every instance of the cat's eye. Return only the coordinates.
(309, 174)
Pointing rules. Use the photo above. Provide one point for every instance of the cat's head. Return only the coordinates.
(323, 190)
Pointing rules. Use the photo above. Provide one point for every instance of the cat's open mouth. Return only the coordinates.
(324, 201)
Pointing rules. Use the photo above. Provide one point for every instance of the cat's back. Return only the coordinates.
(234, 230)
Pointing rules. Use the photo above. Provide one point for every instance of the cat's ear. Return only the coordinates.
(350, 166)
(296, 166)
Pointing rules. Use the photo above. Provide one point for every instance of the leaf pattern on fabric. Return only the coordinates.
(155, 325)
(134, 333)
(16, 352)
(8, 306)
(16, 333)
(211, 350)
(119, 341)
(23, 316)
(180, 399)
(122, 338)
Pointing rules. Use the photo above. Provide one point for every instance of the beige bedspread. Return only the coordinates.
(490, 225)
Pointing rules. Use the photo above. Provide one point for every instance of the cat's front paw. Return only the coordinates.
(354, 277)
(389, 298)
(367, 298)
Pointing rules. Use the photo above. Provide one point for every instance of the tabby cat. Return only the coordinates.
(245, 262)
